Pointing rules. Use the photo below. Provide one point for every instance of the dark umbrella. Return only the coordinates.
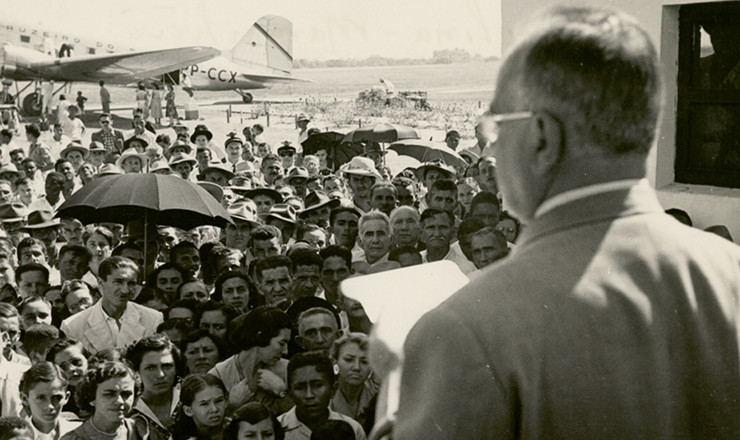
(154, 198)
(386, 133)
(331, 140)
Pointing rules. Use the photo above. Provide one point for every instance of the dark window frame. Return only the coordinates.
(691, 96)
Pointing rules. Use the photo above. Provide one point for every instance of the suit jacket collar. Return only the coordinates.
(99, 334)
(639, 199)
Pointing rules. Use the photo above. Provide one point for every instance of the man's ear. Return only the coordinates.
(547, 142)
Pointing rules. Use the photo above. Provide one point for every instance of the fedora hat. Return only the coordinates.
(263, 191)
(217, 165)
(188, 149)
(9, 168)
(13, 212)
(438, 165)
(213, 189)
(345, 206)
(284, 212)
(41, 219)
(158, 166)
(127, 143)
(244, 211)
(96, 146)
(296, 173)
(109, 169)
(201, 130)
(179, 124)
(74, 146)
(472, 156)
(132, 153)
(362, 166)
(302, 117)
(181, 158)
(317, 200)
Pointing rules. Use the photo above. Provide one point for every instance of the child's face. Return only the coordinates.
(113, 400)
(73, 363)
(262, 429)
(45, 401)
(311, 391)
(208, 407)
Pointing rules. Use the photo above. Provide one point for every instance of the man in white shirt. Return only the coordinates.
(114, 321)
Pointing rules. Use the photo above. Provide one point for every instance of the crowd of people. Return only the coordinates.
(137, 331)
(213, 332)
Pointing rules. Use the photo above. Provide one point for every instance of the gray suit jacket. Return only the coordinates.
(610, 320)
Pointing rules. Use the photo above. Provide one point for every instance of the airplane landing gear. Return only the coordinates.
(32, 105)
(247, 98)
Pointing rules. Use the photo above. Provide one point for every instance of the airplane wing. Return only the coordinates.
(123, 67)
(266, 78)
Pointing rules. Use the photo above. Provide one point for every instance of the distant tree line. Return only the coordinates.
(445, 56)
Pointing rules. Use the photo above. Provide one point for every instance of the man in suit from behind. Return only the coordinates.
(610, 319)
(114, 321)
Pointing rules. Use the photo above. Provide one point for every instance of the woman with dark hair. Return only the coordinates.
(258, 373)
(201, 415)
(509, 226)
(201, 351)
(99, 241)
(233, 289)
(108, 392)
(158, 363)
(254, 420)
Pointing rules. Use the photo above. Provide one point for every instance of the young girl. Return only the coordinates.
(44, 393)
(254, 420)
(108, 391)
(201, 416)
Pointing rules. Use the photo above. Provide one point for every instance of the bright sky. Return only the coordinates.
(322, 29)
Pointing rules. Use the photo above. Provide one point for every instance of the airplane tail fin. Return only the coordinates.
(268, 43)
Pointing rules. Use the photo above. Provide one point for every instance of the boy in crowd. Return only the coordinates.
(312, 384)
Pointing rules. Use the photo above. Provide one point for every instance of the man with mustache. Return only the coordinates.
(114, 321)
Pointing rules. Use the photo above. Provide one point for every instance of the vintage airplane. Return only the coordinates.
(262, 57)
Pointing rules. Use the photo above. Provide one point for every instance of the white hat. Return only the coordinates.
(362, 166)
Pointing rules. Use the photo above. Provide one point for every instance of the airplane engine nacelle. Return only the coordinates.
(8, 67)
(17, 61)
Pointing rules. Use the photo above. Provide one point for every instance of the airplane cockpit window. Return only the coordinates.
(708, 125)
(25, 39)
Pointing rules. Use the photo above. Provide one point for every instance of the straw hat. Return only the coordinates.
(74, 146)
(131, 153)
(362, 166)
(317, 200)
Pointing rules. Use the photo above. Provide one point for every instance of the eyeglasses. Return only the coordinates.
(491, 122)
(105, 122)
